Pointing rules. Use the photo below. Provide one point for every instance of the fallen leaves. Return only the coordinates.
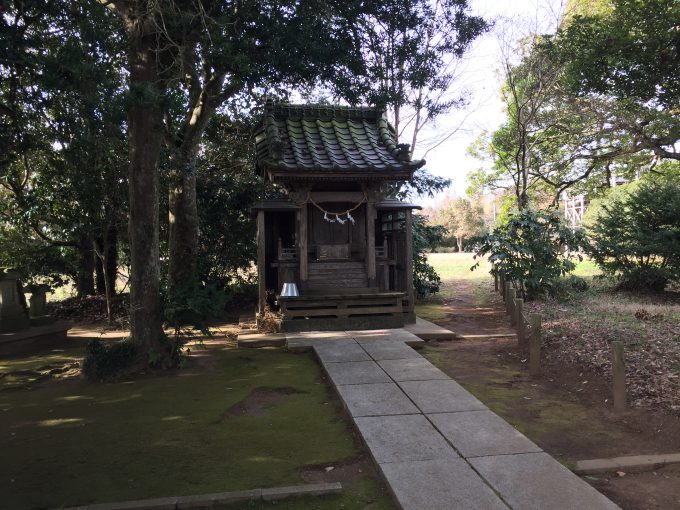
(581, 333)
(90, 309)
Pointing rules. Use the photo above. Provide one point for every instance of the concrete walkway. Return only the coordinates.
(437, 446)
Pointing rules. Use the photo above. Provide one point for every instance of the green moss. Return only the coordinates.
(52, 357)
(430, 311)
(72, 442)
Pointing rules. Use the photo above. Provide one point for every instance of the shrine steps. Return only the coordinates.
(328, 312)
(347, 274)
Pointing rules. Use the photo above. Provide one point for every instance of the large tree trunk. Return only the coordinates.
(145, 118)
(85, 276)
(183, 211)
(183, 225)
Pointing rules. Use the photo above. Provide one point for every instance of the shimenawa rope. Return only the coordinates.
(328, 215)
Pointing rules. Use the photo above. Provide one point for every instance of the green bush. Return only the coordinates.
(108, 360)
(635, 233)
(577, 284)
(426, 238)
(191, 307)
(565, 288)
(532, 250)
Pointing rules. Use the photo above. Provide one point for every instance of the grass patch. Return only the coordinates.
(457, 266)
(430, 310)
(68, 443)
(586, 269)
(450, 266)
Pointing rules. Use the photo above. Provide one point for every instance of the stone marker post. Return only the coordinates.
(619, 376)
(12, 315)
(519, 321)
(38, 306)
(535, 345)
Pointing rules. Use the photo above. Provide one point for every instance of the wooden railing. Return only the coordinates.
(529, 336)
(286, 253)
(381, 252)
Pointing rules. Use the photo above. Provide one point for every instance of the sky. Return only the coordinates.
(479, 73)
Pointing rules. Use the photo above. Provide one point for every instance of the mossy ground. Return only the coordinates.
(71, 442)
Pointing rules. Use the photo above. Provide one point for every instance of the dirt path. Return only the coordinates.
(473, 309)
(567, 412)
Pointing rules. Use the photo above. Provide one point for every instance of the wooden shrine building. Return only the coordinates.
(336, 235)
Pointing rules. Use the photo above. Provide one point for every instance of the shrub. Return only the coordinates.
(532, 250)
(577, 284)
(635, 233)
(565, 288)
(108, 360)
(186, 310)
(425, 238)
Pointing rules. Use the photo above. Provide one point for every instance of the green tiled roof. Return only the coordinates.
(320, 139)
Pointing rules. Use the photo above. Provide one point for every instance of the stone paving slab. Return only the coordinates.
(218, 499)
(388, 349)
(306, 340)
(421, 467)
(376, 400)
(317, 489)
(256, 340)
(489, 336)
(318, 335)
(429, 331)
(439, 485)
(356, 372)
(537, 481)
(416, 369)
(441, 396)
(480, 433)
(334, 351)
(629, 464)
(403, 438)
(394, 335)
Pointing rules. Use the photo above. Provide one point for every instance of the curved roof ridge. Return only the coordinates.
(332, 142)
(322, 110)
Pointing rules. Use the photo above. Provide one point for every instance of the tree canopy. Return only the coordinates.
(141, 112)
(598, 98)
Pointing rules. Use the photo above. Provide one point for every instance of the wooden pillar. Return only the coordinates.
(386, 266)
(618, 376)
(519, 321)
(302, 244)
(510, 305)
(261, 263)
(409, 259)
(535, 345)
(370, 242)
